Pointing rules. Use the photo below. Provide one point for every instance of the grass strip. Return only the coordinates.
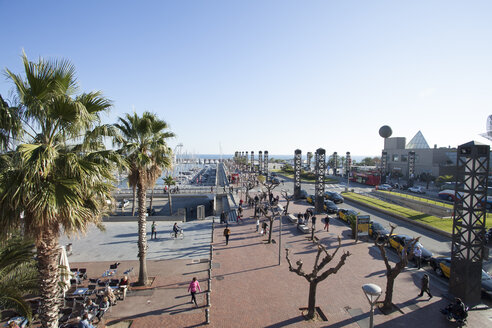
(434, 221)
(419, 199)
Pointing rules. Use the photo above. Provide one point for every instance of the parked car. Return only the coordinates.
(449, 195)
(442, 267)
(124, 203)
(344, 214)
(303, 194)
(334, 196)
(399, 241)
(330, 207)
(311, 199)
(417, 190)
(386, 187)
(376, 228)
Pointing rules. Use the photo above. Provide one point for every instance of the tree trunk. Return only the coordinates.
(142, 235)
(47, 253)
(169, 200)
(270, 231)
(134, 197)
(312, 300)
(388, 298)
(151, 199)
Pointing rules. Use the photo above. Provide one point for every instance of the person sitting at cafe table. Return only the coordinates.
(103, 307)
(124, 286)
(90, 308)
(84, 322)
(108, 292)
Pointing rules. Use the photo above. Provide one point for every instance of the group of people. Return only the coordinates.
(153, 230)
(94, 311)
(303, 219)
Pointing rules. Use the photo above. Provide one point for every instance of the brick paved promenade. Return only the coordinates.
(250, 289)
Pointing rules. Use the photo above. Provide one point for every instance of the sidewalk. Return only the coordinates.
(249, 288)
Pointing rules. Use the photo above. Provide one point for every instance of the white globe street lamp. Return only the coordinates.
(372, 292)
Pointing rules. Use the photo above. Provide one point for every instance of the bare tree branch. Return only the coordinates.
(299, 266)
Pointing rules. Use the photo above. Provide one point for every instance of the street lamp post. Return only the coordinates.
(372, 292)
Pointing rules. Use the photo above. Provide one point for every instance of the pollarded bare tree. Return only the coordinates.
(393, 272)
(316, 276)
(288, 198)
(269, 212)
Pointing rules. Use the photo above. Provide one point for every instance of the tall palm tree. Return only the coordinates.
(169, 181)
(143, 143)
(18, 275)
(60, 175)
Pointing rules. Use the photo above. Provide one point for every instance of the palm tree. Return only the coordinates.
(59, 175)
(10, 125)
(169, 181)
(143, 144)
(18, 275)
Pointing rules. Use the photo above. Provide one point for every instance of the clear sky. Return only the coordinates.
(273, 75)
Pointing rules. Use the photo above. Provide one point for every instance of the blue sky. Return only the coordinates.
(273, 75)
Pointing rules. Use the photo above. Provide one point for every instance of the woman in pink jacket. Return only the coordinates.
(194, 285)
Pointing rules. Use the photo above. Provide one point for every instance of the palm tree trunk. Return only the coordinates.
(142, 235)
(133, 205)
(170, 201)
(151, 199)
(47, 253)
(312, 300)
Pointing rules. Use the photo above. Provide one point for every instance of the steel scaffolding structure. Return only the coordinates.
(319, 187)
(297, 173)
(467, 251)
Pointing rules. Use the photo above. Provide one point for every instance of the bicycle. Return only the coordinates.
(179, 235)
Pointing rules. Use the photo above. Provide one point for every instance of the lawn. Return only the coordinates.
(420, 199)
(439, 223)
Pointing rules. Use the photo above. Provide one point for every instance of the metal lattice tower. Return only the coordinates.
(252, 164)
(384, 166)
(297, 173)
(265, 164)
(260, 162)
(335, 163)
(411, 164)
(467, 251)
(348, 163)
(320, 179)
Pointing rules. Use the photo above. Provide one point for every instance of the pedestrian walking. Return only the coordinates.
(425, 286)
(257, 224)
(327, 223)
(192, 288)
(153, 231)
(227, 233)
(222, 217)
(264, 227)
(417, 252)
(313, 222)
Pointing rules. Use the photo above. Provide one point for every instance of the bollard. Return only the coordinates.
(209, 285)
(208, 298)
(207, 316)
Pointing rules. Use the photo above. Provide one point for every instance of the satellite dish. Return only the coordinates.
(385, 131)
(488, 127)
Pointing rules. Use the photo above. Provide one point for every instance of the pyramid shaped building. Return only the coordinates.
(417, 142)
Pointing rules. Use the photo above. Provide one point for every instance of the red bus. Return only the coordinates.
(368, 175)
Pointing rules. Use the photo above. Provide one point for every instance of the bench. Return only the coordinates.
(303, 228)
(292, 218)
